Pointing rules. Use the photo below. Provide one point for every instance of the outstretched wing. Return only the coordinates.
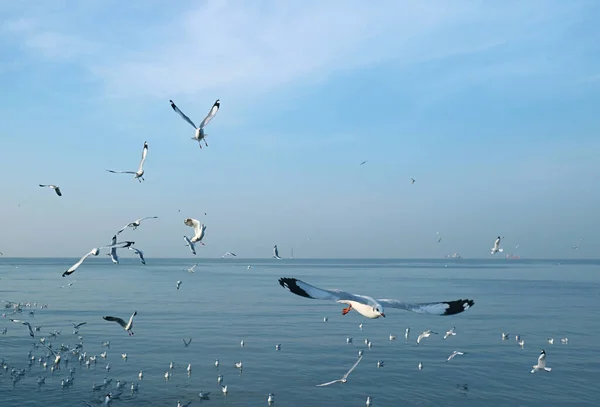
(76, 265)
(117, 320)
(180, 113)
(57, 190)
(191, 245)
(144, 154)
(211, 113)
(352, 368)
(139, 253)
(121, 172)
(147, 217)
(434, 308)
(303, 289)
(328, 383)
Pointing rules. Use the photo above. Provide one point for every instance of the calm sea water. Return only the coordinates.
(223, 303)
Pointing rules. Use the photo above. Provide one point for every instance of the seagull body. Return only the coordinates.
(505, 336)
(425, 334)
(139, 174)
(77, 326)
(18, 321)
(113, 251)
(454, 355)
(541, 364)
(496, 247)
(126, 325)
(344, 378)
(450, 332)
(551, 341)
(369, 307)
(54, 187)
(136, 223)
(139, 253)
(276, 253)
(192, 247)
(200, 134)
(199, 229)
(71, 270)
(229, 254)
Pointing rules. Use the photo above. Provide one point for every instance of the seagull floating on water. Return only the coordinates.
(541, 364)
(186, 344)
(136, 223)
(126, 325)
(139, 253)
(200, 135)
(344, 378)
(496, 247)
(178, 284)
(412, 180)
(113, 251)
(369, 307)
(54, 187)
(139, 174)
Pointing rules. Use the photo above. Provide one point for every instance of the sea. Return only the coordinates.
(229, 300)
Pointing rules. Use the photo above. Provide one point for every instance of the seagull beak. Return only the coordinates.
(383, 315)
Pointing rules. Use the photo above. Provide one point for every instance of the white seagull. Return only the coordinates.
(126, 325)
(496, 247)
(541, 364)
(450, 332)
(18, 321)
(369, 307)
(139, 174)
(193, 268)
(229, 254)
(178, 284)
(344, 378)
(113, 251)
(276, 253)
(54, 187)
(454, 355)
(191, 245)
(139, 253)
(425, 334)
(200, 135)
(94, 252)
(136, 223)
(199, 229)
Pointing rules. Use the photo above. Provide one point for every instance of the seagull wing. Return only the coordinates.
(303, 289)
(139, 253)
(122, 229)
(76, 265)
(352, 368)
(57, 190)
(434, 308)
(211, 113)
(194, 223)
(118, 320)
(180, 113)
(147, 217)
(144, 154)
(49, 348)
(328, 383)
(121, 172)
(191, 246)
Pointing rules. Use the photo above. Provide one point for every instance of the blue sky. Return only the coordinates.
(491, 107)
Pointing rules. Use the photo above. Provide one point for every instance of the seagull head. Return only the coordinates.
(378, 309)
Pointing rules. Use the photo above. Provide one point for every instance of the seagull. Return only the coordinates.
(186, 344)
(270, 399)
(425, 334)
(113, 251)
(229, 254)
(363, 163)
(139, 174)
(136, 223)
(392, 337)
(344, 378)
(191, 269)
(76, 326)
(71, 270)
(541, 364)
(551, 341)
(54, 187)
(178, 284)
(450, 332)
(199, 229)
(18, 321)
(369, 307)
(454, 355)
(412, 180)
(126, 325)
(420, 366)
(191, 245)
(368, 402)
(139, 253)
(276, 253)
(200, 135)
(204, 396)
(496, 247)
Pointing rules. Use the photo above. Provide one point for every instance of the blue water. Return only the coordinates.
(223, 302)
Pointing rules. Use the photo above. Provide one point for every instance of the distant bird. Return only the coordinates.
(450, 332)
(229, 254)
(369, 307)
(541, 364)
(126, 325)
(270, 399)
(191, 245)
(505, 336)
(369, 401)
(54, 187)
(564, 341)
(199, 229)
(344, 378)
(276, 253)
(186, 344)
(496, 247)
(136, 223)
(454, 354)
(412, 180)
(363, 163)
(178, 284)
(425, 334)
(77, 326)
(27, 324)
(71, 270)
(551, 341)
(139, 174)
(139, 253)
(200, 135)
(193, 268)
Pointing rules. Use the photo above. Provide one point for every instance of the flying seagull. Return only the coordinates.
(199, 229)
(113, 251)
(276, 253)
(136, 223)
(344, 378)
(496, 247)
(126, 325)
(369, 307)
(191, 245)
(454, 354)
(425, 334)
(77, 325)
(450, 332)
(94, 252)
(187, 343)
(363, 163)
(18, 321)
(200, 135)
(139, 174)
(541, 364)
(412, 180)
(139, 253)
(54, 187)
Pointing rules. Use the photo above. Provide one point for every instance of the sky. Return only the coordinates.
(491, 107)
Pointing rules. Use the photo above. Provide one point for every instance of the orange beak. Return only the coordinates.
(383, 315)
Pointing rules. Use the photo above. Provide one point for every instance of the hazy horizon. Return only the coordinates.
(491, 108)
